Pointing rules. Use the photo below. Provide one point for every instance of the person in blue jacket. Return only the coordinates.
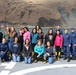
(39, 51)
(3, 50)
(66, 45)
(34, 38)
(73, 43)
(48, 53)
(59, 29)
(16, 50)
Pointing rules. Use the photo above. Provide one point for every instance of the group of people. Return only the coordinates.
(36, 46)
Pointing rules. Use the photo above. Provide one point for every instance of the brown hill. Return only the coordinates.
(41, 12)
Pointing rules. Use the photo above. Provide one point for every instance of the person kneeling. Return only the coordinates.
(48, 53)
(27, 50)
(16, 50)
(3, 50)
(39, 50)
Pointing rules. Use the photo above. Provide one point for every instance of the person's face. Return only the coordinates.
(34, 31)
(3, 40)
(27, 41)
(40, 31)
(22, 30)
(39, 43)
(12, 29)
(58, 32)
(66, 31)
(72, 30)
(25, 29)
(7, 28)
(48, 44)
(50, 31)
(58, 27)
(16, 39)
(37, 27)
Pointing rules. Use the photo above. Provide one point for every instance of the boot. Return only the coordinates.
(65, 57)
(59, 53)
(73, 57)
(56, 55)
(44, 60)
(68, 60)
(32, 53)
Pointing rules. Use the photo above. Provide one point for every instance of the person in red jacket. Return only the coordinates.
(58, 44)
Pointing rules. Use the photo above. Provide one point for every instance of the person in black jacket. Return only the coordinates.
(21, 32)
(27, 50)
(50, 37)
(16, 50)
(3, 50)
(1, 36)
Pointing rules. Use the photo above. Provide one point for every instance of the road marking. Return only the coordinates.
(4, 72)
(8, 65)
(21, 72)
(11, 65)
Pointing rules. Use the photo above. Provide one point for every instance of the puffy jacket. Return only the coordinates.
(38, 49)
(58, 40)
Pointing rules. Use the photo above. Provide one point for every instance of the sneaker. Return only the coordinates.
(45, 62)
(58, 58)
(44, 58)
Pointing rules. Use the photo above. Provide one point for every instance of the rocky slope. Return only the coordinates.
(41, 12)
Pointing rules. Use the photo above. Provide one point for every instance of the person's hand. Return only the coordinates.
(2, 52)
(38, 55)
(60, 46)
(54, 46)
(69, 45)
(48, 54)
(16, 54)
(74, 44)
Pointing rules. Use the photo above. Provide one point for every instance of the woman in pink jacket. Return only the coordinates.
(58, 44)
(26, 35)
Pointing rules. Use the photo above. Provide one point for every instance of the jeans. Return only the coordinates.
(27, 60)
(50, 59)
(16, 58)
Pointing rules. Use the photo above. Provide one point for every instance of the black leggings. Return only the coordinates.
(58, 49)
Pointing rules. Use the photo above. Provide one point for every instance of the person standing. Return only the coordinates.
(73, 43)
(26, 34)
(50, 37)
(58, 44)
(66, 45)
